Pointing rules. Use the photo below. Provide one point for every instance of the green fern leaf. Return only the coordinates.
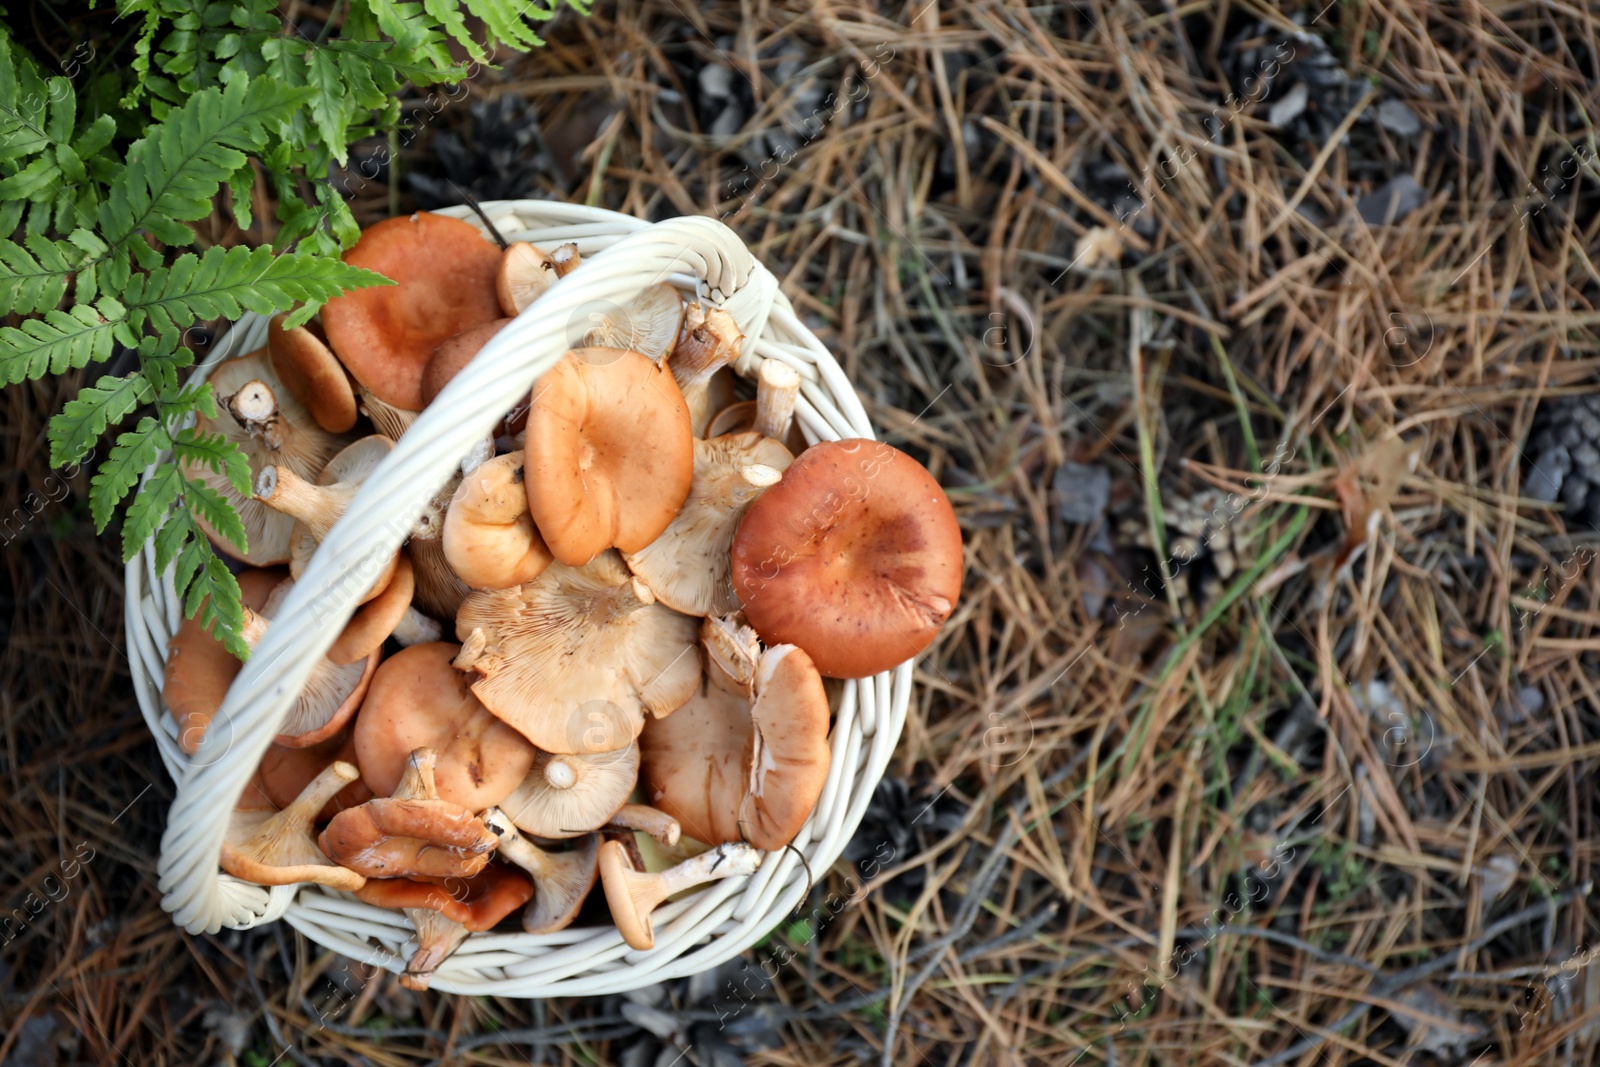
(449, 17)
(160, 492)
(33, 275)
(128, 459)
(214, 595)
(79, 425)
(59, 341)
(214, 452)
(217, 511)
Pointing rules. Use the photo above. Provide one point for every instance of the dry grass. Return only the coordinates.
(1160, 829)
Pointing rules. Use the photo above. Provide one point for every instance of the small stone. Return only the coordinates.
(1083, 491)
(1392, 201)
(716, 81)
(1397, 118)
(1531, 698)
(1290, 106)
(1547, 474)
(1586, 457)
(1575, 493)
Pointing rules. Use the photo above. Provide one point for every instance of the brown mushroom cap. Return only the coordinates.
(412, 834)
(200, 668)
(688, 566)
(379, 617)
(453, 355)
(490, 540)
(277, 847)
(418, 700)
(633, 894)
(445, 271)
(729, 770)
(610, 453)
(313, 374)
(569, 795)
(574, 658)
(561, 880)
(855, 556)
(444, 915)
(288, 438)
(285, 772)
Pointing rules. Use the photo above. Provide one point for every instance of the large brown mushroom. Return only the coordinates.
(574, 658)
(271, 847)
(445, 270)
(855, 556)
(732, 769)
(609, 452)
(634, 894)
(569, 795)
(561, 880)
(453, 355)
(313, 374)
(412, 834)
(443, 915)
(418, 700)
(688, 566)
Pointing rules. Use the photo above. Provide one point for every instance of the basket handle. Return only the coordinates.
(197, 894)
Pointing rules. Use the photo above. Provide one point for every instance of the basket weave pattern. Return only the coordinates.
(621, 256)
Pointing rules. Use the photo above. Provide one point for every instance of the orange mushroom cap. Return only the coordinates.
(412, 834)
(478, 902)
(610, 453)
(385, 335)
(855, 556)
(453, 355)
(313, 374)
(200, 668)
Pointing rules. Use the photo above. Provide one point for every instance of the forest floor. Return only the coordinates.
(1267, 730)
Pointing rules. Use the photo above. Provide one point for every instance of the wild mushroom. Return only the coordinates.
(633, 894)
(313, 374)
(317, 506)
(732, 652)
(565, 259)
(524, 274)
(777, 390)
(639, 818)
(285, 772)
(411, 834)
(709, 341)
(277, 848)
(382, 616)
(415, 628)
(561, 880)
(688, 566)
(271, 428)
(332, 693)
(387, 419)
(490, 541)
(200, 668)
(609, 453)
(647, 324)
(453, 355)
(445, 270)
(568, 795)
(440, 590)
(855, 556)
(417, 700)
(729, 769)
(574, 658)
(444, 915)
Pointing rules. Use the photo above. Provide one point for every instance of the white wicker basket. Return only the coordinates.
(621, 256)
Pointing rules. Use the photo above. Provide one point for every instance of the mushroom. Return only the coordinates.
(444, 915)
(610, 454)
(200, 668)
(270, 847)
(647, 324)
(490, 541)
(313, 374)
(574, 658)
(417, 700)
(445, 274)
(729, 769)
(732, 652)
(777, 390)
(382, 616)
(411, 834)
(633, 894)
(453, 355)
(855, 556)
(332, 693)
(271, 428)
(565, 259)
(386, 418)
(688, 565)
(561, 880)
(317, 506)
(415, 628)
(440, 590)
(568, 795)
(524, 274)
(642, 819)
(285, 772)
(709, 341)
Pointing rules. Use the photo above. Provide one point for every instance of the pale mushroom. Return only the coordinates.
(568, 795)
(729, 769)
(642, 819)
(412, 834)
(647, 324)
(277, 847)
(272, 428)
(609, 453)
(855, 556)
(561, 880)
(709, 341)
(633, 895)
(524, 274)
(313, 374)
(490, 541)
(574, 658)
(688, 566)
(415, 628)
(444, 915)
(732, 652)
(332, 693)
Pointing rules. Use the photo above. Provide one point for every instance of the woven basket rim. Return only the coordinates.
(693, 934)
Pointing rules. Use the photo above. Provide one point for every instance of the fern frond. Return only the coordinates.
(61, 340)
(74, 431)
(120, 471)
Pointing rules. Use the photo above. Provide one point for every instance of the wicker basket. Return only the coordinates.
(621, 256)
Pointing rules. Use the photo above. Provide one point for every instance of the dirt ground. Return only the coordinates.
(1267, 729)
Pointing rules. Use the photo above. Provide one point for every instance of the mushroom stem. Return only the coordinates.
(710, 341)
(561, 880)
(561, 772)
(514, 848)
(316, 507)
(777, 389)
(644, 819)
(415, 628)
(280, 848)
(565, 259)
(633, 894)
(438, 936)
(255, 408)
(255, 628)
(760, 475)
(725, 861)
